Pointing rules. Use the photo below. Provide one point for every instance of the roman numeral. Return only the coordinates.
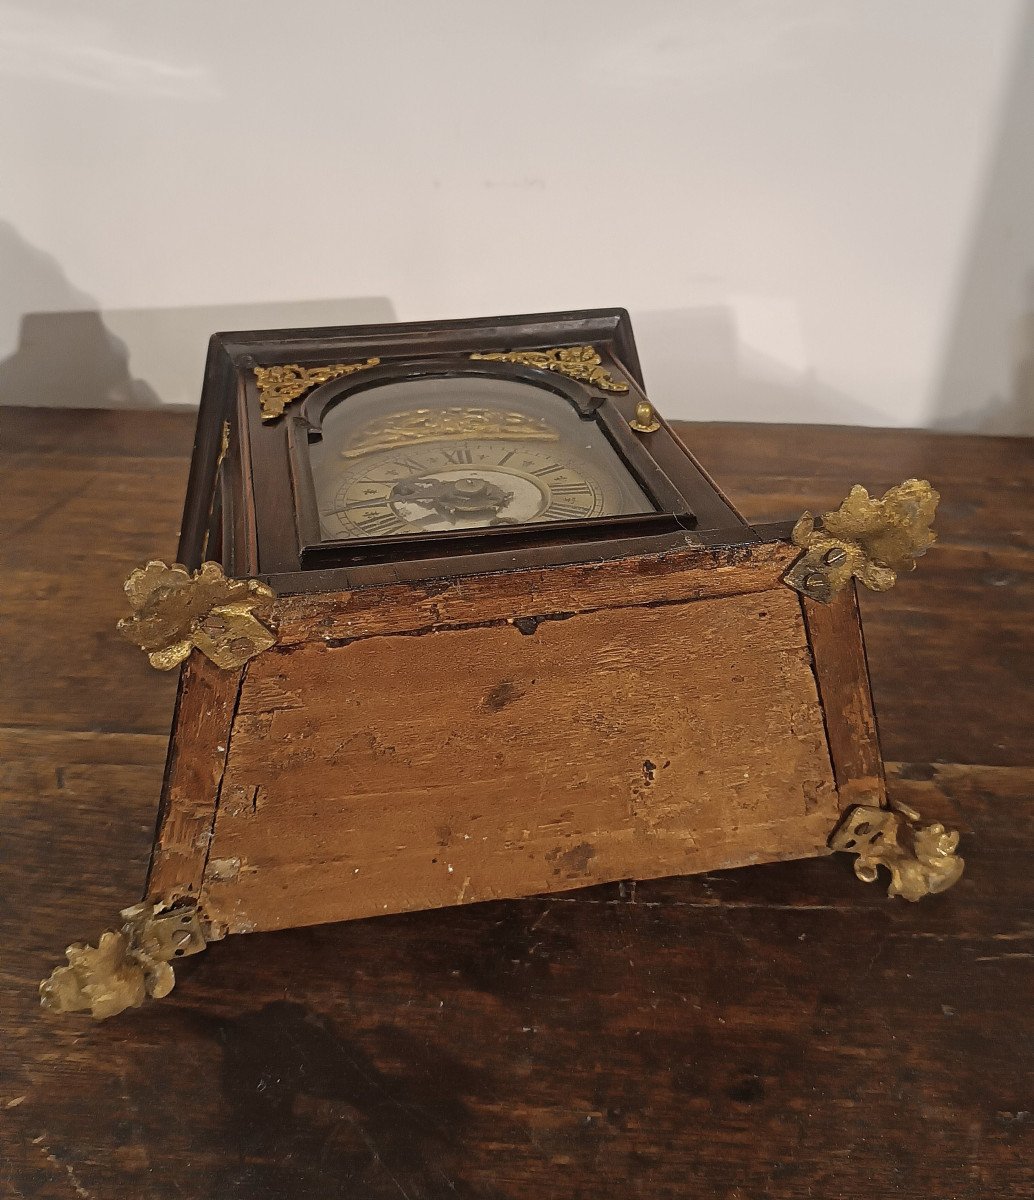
(559, 510)
(411, 464)
(460, 455)
(570, 489)
(506, 457)
(379, 526)
(548, 470)
(376, 503)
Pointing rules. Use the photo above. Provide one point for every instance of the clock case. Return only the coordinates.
(254, 509)
(454, 717)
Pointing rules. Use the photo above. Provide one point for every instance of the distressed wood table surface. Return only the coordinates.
(783, 1031)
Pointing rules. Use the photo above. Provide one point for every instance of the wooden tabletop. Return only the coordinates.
(780, 1031)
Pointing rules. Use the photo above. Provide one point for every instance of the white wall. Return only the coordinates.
(817, 210)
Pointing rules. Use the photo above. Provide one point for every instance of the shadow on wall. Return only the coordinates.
(991, 334)
(60, 350)
(698, 368)
(64, 354)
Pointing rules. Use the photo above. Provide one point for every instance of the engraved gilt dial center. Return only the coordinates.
(471, 497)
(447, 496)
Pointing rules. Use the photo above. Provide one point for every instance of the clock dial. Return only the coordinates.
(468, 484)
(465, 453)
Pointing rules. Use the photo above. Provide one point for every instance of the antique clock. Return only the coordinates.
(459, 618)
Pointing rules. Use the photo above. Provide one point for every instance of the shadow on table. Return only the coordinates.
(308, 1104)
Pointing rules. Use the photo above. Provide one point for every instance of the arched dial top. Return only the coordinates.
(440, 454)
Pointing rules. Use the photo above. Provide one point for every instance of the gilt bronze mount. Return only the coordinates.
(867, 539)
(281, 385)
(921, 859)
(128, 965)
(576, 362)
(176, 610)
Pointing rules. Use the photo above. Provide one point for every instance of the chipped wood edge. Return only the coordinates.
(206, 704)
(672, 577)
(841, 669)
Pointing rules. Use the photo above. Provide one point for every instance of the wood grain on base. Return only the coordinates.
(402, 772)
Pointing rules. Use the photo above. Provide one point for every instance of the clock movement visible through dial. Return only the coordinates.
(440, 454)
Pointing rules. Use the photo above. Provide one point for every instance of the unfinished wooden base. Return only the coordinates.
(422, 745)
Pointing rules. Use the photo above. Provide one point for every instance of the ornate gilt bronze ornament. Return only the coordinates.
(281, 385)
(576, 362)
(176, 611)
(921, 859)
(126, 966)
(869, 540)
(452, 424)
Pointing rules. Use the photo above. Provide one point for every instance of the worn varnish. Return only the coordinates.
(472, 763)
(689, 574)
(838, 655)
(420, 745)
(781, 1031)
(203, 718)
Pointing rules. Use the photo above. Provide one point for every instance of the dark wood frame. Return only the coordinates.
(671, 508)
(244, 508)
